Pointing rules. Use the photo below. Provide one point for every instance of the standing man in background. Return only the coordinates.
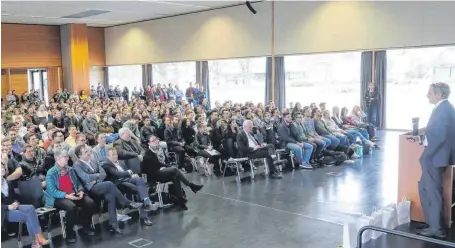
(439, 153)
(371, 103)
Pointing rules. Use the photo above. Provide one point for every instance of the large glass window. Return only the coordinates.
(180, 74)
(125, 75)
(409, 74)
(239, 80)
(333, 78)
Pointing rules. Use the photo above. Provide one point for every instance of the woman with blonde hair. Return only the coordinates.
(357, 116)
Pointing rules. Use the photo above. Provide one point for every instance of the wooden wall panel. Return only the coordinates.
(96, 50)
(30, 46)
(19, 81)
(5, 84)
(54, 80)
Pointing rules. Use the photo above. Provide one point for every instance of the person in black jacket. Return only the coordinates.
(13, 211)
(250, 147)
(154, 165)
(230, 139)
(205, 149)
(146, 131)
(127, 181)
(175, 142)
(372, 98)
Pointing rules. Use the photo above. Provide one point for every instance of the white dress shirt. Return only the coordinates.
(251, 141)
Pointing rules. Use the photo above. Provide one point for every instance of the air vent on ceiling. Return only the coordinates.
(85, 14)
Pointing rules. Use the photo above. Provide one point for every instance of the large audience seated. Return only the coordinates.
(87, 150)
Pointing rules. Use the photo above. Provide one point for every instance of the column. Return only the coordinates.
(75, 57)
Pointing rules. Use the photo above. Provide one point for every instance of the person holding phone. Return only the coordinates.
(439, 153)
(13, 211)
(64, 191)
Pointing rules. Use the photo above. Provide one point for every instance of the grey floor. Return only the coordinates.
(304, 209)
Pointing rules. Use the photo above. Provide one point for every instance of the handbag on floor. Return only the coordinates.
(377, 222)
(349, 235)
(404, 212)
(362, 221)
(389, 218)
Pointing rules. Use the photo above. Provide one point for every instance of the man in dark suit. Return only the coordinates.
(126, 181)
(439, 142)
(92, 178)
(250, 147)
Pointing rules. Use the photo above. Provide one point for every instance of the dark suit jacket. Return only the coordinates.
(440, 134)
(113, 174)
(87, 176)
(242, 143)
(151, 165)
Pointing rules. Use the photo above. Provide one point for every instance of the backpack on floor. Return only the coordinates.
(340, 157)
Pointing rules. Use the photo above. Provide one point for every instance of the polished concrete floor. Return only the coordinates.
(304, 209)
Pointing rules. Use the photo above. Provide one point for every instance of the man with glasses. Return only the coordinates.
(92, 176)
(65, 192)
(16, 142)
(58, 138)
(439, 153)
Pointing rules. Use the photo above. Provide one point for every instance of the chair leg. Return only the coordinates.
(266, 166)
(291, 154)
(251, 169)
(49, 225)
(225, 167)
(19, 235)
(238, 171)
(62, 222)
(160, 197)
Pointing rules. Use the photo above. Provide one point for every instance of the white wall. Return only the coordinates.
(300, 27)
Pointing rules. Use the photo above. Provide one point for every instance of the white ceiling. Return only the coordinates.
(50, 12)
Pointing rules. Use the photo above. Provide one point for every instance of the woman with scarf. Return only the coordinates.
(154, 165)
(64, 191)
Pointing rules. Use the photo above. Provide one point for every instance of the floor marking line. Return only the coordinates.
(276, 209)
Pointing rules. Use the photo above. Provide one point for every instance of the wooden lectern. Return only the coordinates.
(409, 173)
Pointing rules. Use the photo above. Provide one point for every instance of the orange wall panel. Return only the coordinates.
(19, 81)
(54, 80)
(97, 56)
(30, 46)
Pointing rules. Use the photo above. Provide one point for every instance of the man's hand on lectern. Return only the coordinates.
(414, 139)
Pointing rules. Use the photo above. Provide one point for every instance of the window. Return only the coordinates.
(125, 76)
(180, 74)
(333, 78)
(239, 80)
(409, 74)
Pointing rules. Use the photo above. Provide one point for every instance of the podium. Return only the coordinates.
(409, 173)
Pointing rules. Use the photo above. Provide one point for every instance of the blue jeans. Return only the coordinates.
(343, 140)
(372, 113)
(334, 141)
(356, 135)
(26, 214)
(303, 154)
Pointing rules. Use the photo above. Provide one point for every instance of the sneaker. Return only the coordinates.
(354, 156)
(349, 161)
(305, 166)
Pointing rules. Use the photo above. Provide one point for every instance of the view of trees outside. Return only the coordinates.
(125, 75)
(409, 74)
(333, 78)
(239, 80)
(180, 74)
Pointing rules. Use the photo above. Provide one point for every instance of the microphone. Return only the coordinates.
(415, 126)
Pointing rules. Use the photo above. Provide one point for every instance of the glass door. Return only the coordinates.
(38, 82)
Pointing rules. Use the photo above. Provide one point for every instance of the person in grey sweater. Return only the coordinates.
(131, 124)
(90, 127)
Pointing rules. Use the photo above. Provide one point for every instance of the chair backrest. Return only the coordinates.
(30, 192)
